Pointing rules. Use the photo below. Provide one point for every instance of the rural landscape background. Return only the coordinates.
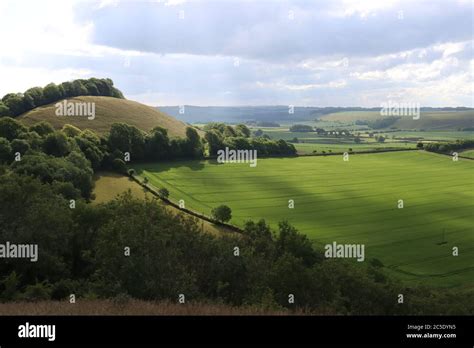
(113, 121)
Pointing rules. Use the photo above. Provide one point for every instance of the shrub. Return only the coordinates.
(222, 213)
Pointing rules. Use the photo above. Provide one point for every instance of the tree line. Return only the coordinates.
(219, 135)
(448, 147)
(15, 104)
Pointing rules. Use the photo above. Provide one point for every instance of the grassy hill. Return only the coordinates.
(428, 119)
(108, 110)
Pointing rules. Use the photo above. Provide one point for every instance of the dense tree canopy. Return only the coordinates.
(14, 104)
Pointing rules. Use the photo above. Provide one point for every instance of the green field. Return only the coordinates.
(305, 148)
(447, 120)
(468, 153)
(352, 202)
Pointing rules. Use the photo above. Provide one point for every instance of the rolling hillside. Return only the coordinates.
(108, 110)
(428, 120)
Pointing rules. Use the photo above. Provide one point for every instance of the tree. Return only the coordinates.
(11, 128)
(42, 128)
(5, 150)
(4, 110)
(20, 145)
(126, 138)
(56, 144)
(70, 130)
(51, 93)
(119, 166)
(157, 145)
(14, 102)
(163, 192)
(242, 130)
(357, 140)
(381, 139)
(214, 141)
(221, 213)
(301, 128)
(193, 146)
(36, 94)
(419, 145)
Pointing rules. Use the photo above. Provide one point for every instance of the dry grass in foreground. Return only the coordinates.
(131, 307)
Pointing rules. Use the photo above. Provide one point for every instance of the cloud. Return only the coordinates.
(245, 52)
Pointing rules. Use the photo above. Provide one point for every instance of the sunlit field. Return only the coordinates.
(353, 201)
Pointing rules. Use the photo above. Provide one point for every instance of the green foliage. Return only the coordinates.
(242, 130)
(119, 166)
(449, 147)
(4, 110)
(37, 292)
(42, 128)
(5, 150)
(70, 130)
(14, 103)
(214, 141)
(222, 213)
(51, 93)
(11, 129)
(84, 250)
(56, 144)
(36, 95)
(301, 128)
(126, 138)
(9, 287)
(163, 192)
(20, 145)
(74, 168)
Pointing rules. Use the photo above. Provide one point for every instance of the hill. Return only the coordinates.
(107, 111)
(428, 119)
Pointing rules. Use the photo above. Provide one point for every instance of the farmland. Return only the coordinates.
(309, 142)
(352, 202)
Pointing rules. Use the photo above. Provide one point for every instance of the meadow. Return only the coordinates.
(351, 201)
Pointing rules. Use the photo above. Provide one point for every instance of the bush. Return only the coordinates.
(119, 166)
(163, 192)
(37, 292)
(222, 213)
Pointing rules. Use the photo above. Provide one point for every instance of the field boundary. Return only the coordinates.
(152, 189)
(324, 154)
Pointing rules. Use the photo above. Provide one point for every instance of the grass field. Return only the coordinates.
(108, 185)
(428, 120)
(352, 202)
(108, 110)
(468, 153)
(305, 148)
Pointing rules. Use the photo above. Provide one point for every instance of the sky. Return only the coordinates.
(231, 53)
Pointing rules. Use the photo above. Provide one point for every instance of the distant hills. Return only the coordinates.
(278, 113)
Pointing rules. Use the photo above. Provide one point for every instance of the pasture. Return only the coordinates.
(353, 201)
